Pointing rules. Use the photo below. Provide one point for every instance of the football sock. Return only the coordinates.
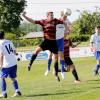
(75, 74)
(62, 63)
(3, 86)
(97, 67)
(56, 67)
(15, 85)
(32, 59)
(49, 63)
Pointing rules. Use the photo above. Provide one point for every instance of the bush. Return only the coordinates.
(10, 36)
(27, 42)
(76, 37)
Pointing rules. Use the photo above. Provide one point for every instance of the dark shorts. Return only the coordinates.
(11, 72)
(50, 45)
(68, 61)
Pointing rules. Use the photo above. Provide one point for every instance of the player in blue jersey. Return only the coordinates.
(8, 65)
(95, 46)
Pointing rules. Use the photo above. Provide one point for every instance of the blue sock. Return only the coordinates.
(49, 63)
(97, 67)
(15, 85)
(3, 86)
(62, 63)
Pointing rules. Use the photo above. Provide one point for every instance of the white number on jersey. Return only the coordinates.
(9, 48)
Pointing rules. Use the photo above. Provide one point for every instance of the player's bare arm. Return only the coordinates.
(27, 18)
(75, 45)
(1, 60)
(92, 47)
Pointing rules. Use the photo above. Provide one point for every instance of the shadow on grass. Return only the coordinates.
(49, 94)
(96, 80)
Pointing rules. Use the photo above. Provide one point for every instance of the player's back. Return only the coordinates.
(7, 49)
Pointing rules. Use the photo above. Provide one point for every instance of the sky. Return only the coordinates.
(37, 9)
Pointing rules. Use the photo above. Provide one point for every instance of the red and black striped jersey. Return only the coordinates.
(49, 27)
(67, 44)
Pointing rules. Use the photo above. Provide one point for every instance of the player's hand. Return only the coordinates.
(93, 49)
(29, 67)
(24, 13)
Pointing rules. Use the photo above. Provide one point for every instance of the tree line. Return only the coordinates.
(11, 21)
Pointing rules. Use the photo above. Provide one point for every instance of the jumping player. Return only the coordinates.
(49, 30)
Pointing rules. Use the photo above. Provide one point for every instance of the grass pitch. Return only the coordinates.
(35, 86)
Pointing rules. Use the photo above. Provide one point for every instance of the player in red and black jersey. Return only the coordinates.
(68, 62)
(49, 30)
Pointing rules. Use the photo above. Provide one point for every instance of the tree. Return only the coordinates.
(87, 21)
(10, 14)
(30, 27)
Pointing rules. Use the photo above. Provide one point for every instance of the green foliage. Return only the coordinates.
(87, 21)
(10, 14)
(30, 27)
(82, 37)
(10, 36)
(27, 42)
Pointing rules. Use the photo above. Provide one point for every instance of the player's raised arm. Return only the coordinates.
(27, 18)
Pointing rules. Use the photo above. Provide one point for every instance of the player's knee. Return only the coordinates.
(72, 68)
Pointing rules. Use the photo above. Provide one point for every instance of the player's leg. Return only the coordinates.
(71, 67)
(97, 55)
(3, 75)
(34, 55)
(97, 68)
(49, 64)
(74, 73)
(60, 44)
(49, 61)
(3, 87)
(13, 75)
(16, 88)
(56, 66)
(54, 49)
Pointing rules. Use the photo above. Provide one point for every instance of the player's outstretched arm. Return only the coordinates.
(75, 45)
(27, 18)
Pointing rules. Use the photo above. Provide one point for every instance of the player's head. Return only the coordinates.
(50, 16)
(2, 34)
(97, 29)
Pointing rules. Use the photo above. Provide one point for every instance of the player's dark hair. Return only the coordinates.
(2, 34)
(50, 12)
(98, 26)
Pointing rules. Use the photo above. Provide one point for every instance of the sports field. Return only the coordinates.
(35, 86)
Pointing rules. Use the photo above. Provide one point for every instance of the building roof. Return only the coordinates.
(33, 35)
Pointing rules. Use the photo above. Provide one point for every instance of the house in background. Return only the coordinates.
(32, 35)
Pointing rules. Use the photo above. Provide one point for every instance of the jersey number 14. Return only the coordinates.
(9, 48)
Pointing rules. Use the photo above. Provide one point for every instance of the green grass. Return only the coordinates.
(35, 86)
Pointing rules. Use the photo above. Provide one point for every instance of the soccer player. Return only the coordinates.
(68, 62)
(8, 65)
(49, 30)
(95, 46)
(62, 30)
